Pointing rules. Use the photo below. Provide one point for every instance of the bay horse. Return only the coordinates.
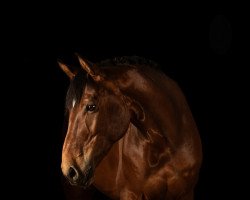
(130, 132)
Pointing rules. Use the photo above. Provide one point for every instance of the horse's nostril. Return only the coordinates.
(72, 173)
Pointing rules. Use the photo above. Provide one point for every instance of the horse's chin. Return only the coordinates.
(83, 184)
(87, 183)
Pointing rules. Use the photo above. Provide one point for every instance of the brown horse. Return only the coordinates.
(130, 132)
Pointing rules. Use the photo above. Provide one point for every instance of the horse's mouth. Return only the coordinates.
(85, 179)
(86, 184)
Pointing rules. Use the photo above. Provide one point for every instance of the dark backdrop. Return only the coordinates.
(194, 47)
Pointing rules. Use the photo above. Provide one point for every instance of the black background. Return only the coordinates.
(193, 46)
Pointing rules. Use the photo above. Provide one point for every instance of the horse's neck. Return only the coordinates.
(162, 103)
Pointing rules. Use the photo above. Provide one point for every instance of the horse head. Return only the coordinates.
(98, 117)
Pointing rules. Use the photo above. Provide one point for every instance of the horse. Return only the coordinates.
(131, 133)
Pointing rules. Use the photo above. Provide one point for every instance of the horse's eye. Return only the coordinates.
(90, 108)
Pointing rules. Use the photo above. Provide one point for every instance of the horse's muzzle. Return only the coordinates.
(83, 179)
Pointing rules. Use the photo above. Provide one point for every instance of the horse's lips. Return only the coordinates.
(85, 180)
(88, 180)
(88, 183)
(83, 183)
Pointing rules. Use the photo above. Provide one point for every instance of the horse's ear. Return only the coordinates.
(66, 70)
(90, 68)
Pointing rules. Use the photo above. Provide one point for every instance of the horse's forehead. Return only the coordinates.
(90, 89)
(90, 92)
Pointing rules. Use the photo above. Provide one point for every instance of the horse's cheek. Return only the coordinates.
(117, 124)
